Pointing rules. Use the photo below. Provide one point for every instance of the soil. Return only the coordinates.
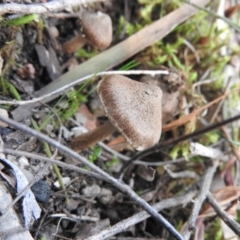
(33, 57)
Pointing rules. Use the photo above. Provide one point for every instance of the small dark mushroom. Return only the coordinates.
(133, 108)
(96, 30)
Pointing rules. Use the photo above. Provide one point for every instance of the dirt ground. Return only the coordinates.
(38, 58)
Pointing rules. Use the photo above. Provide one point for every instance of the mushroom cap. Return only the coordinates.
(97, 28)
(134, 108)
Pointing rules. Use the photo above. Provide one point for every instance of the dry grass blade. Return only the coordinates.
(185, 119)
(41, 8)
(227, 218)
(125, 224)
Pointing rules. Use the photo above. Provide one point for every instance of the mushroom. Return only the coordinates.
(96, 29)
(133, 108)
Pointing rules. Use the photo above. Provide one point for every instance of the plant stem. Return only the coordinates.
(92, 137)
(74, 44)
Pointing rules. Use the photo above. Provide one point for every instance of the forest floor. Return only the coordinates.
(48, 85)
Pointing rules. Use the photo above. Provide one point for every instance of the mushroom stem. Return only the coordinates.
(92, 137)
(74, 44)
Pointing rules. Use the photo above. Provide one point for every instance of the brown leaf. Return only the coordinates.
(231, 10)
(224, 197)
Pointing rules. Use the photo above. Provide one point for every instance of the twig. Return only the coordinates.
(81, 170)
(223, 215)
(173, 141)
(113, 152)
(181, 174)
(120, 185)
(75, 218)
(53, 161)
(205, 186)
(42, 221)
(43, 7)
(228, 21)
(81, 80)
(141, 216)
(63, 15)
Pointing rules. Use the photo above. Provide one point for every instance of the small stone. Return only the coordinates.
(65, 180)
(42, 191)
(91, 191)
(23, 162)
(3, 113)
(105, 196)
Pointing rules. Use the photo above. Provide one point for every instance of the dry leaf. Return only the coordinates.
(224, 197)
(181, 121)
(29, 203)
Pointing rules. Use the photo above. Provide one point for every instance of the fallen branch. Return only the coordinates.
(205, 188)
(82, 171)
(83, 79)
(158, 147)
(40, 8)
(141, 216)
(228, 219)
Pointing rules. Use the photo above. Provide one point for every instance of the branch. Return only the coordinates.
(173, 141)
(53, 161)
(204, 191)
(141, 216)
(223, 215)
(83, 79)
(43, 7)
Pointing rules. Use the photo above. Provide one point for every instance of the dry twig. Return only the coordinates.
(223, 215)
(204, 191)
(53, 161)
(83, 79)
(139, 217)
(158, 147)
(40, 8)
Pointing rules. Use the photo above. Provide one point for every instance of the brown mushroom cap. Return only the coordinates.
(134, 108)
(97, 28)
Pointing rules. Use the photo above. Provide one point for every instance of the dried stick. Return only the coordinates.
(141, 216)
(158, 147)
(40, 8)
(204, 191)
(83, 79)
(53, 161)
(223, 215)
(120, 185)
